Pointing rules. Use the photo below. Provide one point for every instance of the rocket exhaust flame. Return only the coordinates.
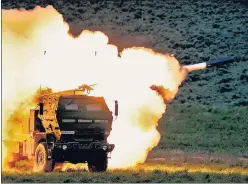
(195, 67)
(136, 79)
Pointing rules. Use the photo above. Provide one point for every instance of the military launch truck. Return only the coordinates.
(69, 126)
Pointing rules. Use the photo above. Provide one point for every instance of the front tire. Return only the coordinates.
(100, 164)
(41, 162)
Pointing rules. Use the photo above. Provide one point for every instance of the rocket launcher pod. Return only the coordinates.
(214, 62)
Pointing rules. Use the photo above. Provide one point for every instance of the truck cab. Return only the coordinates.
(69, 128)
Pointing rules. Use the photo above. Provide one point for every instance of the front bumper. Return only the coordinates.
(94, 146)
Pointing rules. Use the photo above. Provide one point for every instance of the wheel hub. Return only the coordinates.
(40, 158)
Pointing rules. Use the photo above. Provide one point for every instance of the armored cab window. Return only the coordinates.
(94, 107)
(71, 107)
(68, 105)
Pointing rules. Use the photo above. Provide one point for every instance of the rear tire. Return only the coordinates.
(100, 164)
(41, 162)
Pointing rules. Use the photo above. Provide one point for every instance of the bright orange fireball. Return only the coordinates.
(37, 50)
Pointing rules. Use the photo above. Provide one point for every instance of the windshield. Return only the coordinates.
(82, 104)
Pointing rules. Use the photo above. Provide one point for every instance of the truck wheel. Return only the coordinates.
(41, 163)
(98, 165)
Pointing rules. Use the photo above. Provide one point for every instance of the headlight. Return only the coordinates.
(64, 147)
(109, 147)
(104, 147)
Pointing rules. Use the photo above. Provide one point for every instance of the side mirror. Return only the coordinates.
(41, 108)
(116, 108)
(41, 104)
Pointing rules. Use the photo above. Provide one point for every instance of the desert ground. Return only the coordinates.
(204, 130)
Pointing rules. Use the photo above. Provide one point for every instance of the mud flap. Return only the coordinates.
(50, 144)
